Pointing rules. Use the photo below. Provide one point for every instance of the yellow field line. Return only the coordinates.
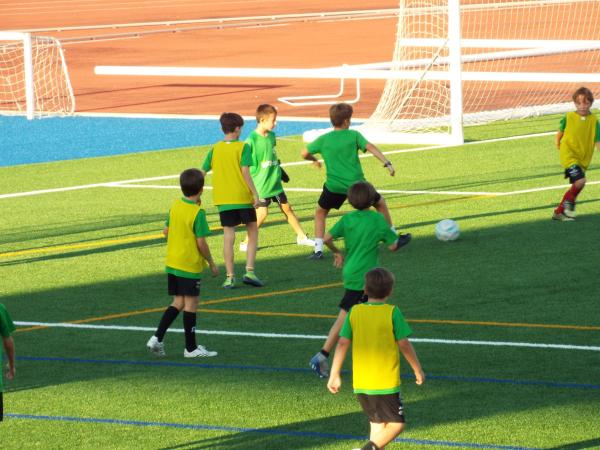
(60, 248)
(208, 302)
(430, 321)
(507, 324)
(97, 244)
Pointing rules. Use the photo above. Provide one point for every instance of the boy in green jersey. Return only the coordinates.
(6, 329)
(267, 174)
(578, 132)
(339, 149)
(363, 230)
(377, 331)
(188, 255)
(234, 195)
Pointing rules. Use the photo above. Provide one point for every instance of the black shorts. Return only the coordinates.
(574, 173)
(183, 286)
(234, 217)
(332, 200)
(385, 408)
(280, 199)
(351, 298)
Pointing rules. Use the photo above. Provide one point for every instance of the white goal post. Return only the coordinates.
(458, 63)
(34, 80)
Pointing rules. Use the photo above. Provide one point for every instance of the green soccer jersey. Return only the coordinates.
(7, 327)
(265, 169)
(339, 149)
(362, 232)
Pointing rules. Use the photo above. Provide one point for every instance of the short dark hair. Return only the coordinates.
(191, 182)
(230, 121)
(585, 92)
(379, 283)
(361, 195)
(265, 110)
(339, 112)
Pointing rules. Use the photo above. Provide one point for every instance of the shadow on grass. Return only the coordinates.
(506, 273)
(290, 436)
(581, 445)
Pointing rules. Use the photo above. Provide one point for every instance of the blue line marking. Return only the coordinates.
(60, 138)
(271, 431)
(552, 384)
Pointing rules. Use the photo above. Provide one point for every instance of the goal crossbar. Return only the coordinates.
(347, 72)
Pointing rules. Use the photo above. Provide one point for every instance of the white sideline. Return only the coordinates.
(310, 336)
(295, 163)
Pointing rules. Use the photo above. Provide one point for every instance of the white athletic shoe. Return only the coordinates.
(305, 241)
(155, 346)
(243, 246)
(200, 352)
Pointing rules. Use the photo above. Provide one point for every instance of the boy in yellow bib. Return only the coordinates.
(578, 132)
(187, 256)
(376, 331)
(234, 194)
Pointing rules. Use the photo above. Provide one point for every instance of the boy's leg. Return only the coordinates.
(189, 322)
(292, 219)
(319, 362)
(320, 218)
(192, 350)
(155, 344)
(261, 214)
(228, 242)
(169, 316)
(384, 433)
(249, 277)
(381, 207)
(566, 207)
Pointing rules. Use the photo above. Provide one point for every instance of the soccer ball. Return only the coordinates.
(447, 230)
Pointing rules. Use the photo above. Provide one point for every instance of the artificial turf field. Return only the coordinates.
(505, 320)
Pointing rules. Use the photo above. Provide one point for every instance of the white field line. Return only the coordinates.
(382, 191)
(311, 336)
(123, 183)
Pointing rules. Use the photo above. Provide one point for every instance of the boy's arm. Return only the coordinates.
(9, 348)
(411, 356)
(205, 252)
(250, 184)
(381, 157)
(338, 258)
(559, 136)
(335, 379)
(310, 157)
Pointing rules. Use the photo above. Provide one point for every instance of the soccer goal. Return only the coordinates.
(478, 61)
(34, 80)
(457, 63)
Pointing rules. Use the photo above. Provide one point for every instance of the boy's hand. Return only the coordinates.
(214, 270)
(388, 165)
(317, 163)
(338, 260)
(419, 377)
(256, 203)
(334, 383)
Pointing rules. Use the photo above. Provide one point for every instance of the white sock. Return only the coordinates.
(318, 245)
(393, 228)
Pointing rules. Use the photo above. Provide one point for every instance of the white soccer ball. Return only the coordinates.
(447, 230)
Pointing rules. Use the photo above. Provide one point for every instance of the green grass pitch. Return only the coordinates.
(93, 256)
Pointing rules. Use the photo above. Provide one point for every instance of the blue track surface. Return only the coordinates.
(25, 141)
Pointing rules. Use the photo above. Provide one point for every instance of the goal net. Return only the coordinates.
(516, 59)
(34, 80)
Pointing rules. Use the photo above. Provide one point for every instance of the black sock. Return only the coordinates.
(324, 353)
(167, 319)
(369, 446)
(189, 327)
